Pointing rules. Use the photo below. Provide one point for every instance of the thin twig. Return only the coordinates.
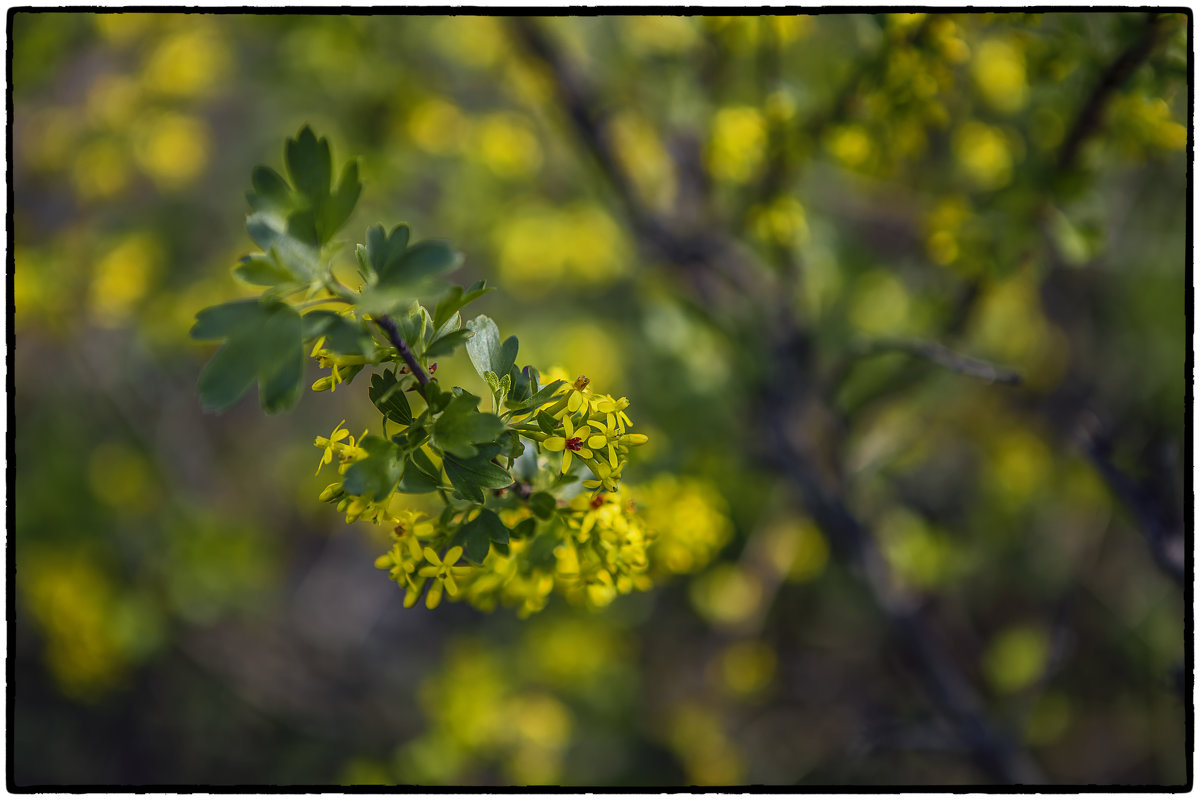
(942, 356)
(393, 334)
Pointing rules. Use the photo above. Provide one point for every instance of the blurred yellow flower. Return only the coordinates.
(1016, 658)
(172, 148)
(985, 155)
(738, 139)
(187, 63)
(850, 144)
(508, 145)
(437, 126)
(998, 68)
(122, 277)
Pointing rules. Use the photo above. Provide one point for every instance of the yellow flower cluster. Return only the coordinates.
(342, 445)
(594, 550)
(595, 429)
(604, 554)
(341, 368)
(590, 546)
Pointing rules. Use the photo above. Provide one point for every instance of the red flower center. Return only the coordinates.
(574, 444)
(597, 501)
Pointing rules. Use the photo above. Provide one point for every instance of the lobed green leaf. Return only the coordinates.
(470, 476)
(387, 394)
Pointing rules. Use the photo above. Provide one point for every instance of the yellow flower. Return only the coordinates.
(610, 436)
(614, 411)
(347, 450)
(568, 443)
(607, 478)
(440, 571)
(330, 444)
(575, 397)
(326, 359)
(402, 560)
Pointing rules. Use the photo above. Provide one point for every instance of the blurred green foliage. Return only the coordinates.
(185, 613)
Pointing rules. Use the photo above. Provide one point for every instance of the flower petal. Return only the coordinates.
(434, 597)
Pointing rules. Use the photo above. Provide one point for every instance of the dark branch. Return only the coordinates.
(698, 251)
(578, 100)
(996, 754)
(403, 349)
(1090, 118)
(1165, 546)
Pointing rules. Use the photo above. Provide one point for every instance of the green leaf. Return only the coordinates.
(302, 226)
(460, 427)
(389, 300)
(484, 347)
(413, 327)
(263, 343)
(262, 270)
(540, 553)
(273, 234)
(387, 394)
(342, 335)
(541, 397)
(454, 299)
(378, 473)
(307, 213)
(280, 357)
(546, 422)
(422, 261)
(520, 386)
(336, 209)
(436, 398)
(226, 377)
(542, 504)
(511, 444)
(445, 345)
(298, 256)
(219, 322)
(420, 475)
(477, 536)
(309, 164)
(524, 528)
(470, 476)
(271, 191)
(385, 250)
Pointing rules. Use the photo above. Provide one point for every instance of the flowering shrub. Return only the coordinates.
(531, 488)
